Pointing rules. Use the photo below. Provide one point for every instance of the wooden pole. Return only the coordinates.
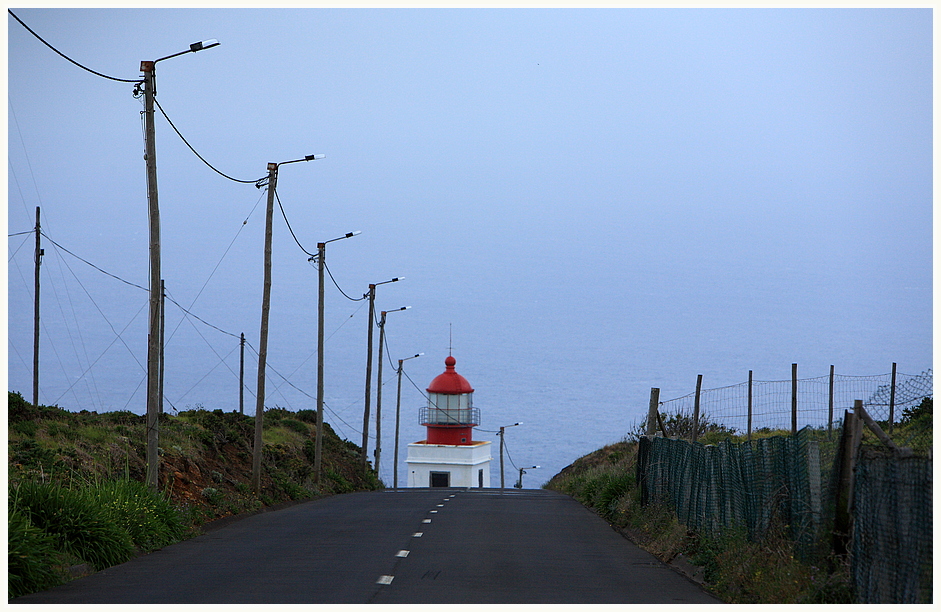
(793, 398)
(382, 335)
(163, 323)
(242, 374)
(842, 518)
(372, 313)
(749, 402)
(398, 406)
(830, 410)
(263, 335)
(663, 428)
(38, 262)
(892, 400)
(874, 428)
(318, 444)
(652, 412)
(696, 408)
(502, 431)
(153, 338)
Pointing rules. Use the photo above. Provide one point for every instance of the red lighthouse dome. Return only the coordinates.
(450, 382)
(450, 415)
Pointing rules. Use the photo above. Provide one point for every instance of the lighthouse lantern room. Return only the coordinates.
(449, 456)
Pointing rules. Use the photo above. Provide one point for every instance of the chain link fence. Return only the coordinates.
(763, 407)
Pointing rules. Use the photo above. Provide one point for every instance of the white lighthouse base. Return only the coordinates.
(449, 465)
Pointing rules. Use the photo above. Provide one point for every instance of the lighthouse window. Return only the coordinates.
(440, 479)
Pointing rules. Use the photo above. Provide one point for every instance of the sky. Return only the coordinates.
(584, 204)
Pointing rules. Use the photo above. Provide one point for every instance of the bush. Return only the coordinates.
(77, 525)
(295, 426)
(33, 563)
(147, 515)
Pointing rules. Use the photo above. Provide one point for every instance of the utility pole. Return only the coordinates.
(154, 395)
(398, 406)
(382, 335)
(38, 262)
(502, 429)
(163, 321)
(153, 338)
(263, 339)
(371, 295)
(318, 444)
(321, 264)
(242, 374)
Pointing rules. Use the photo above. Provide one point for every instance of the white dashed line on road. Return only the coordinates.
(402, 553)
(385, 580)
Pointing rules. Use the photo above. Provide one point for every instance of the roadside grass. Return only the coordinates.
(76, 492)
(736, 569)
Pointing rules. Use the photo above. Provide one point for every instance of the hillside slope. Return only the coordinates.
(205, 456)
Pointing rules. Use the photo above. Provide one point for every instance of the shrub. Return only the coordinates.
(33, 563)
(78, 526)
(147, 515)
(295, 425)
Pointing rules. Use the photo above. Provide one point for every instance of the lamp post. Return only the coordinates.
(519, 483)
(502, 429)
(382, 335)
(272, 182)
(154, 348)
(398, 405)
(371, 295)
(318, 447)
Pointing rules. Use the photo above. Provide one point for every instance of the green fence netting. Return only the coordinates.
(771, 483)
(892, 546)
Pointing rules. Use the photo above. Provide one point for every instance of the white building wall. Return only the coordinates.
(466, 465)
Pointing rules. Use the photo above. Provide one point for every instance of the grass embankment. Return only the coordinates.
(75, 481)
(735, 569)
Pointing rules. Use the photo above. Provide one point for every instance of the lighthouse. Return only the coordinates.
(449, 456)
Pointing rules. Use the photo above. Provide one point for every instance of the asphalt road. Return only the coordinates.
(410, 546)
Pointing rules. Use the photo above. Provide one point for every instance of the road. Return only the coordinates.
(406, 546)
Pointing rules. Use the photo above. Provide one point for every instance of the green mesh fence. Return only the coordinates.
(892, 531)
(771, 483)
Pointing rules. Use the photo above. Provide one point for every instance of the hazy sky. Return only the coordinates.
(594, 201)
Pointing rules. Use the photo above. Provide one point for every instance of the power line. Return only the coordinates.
(104, 76)
(91, 264)
(289, 225)
(196, 153)
(327, 268)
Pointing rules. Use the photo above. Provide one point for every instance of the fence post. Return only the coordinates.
(749, 403)
(892, 400)
(842, 519)
(793, 398)
(643, 463)
(652, 413)
(830, 411)
(696, 408)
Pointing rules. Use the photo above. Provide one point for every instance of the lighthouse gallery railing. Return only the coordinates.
(458, 417)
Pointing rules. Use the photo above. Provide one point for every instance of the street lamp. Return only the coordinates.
(382, 335)
(371, 295)
(502, 429)
(398, 404)
(272, 182)
(154, 347)
(321, 254)
(519, 483)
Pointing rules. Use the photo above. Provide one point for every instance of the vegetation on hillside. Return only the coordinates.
(75, 481)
